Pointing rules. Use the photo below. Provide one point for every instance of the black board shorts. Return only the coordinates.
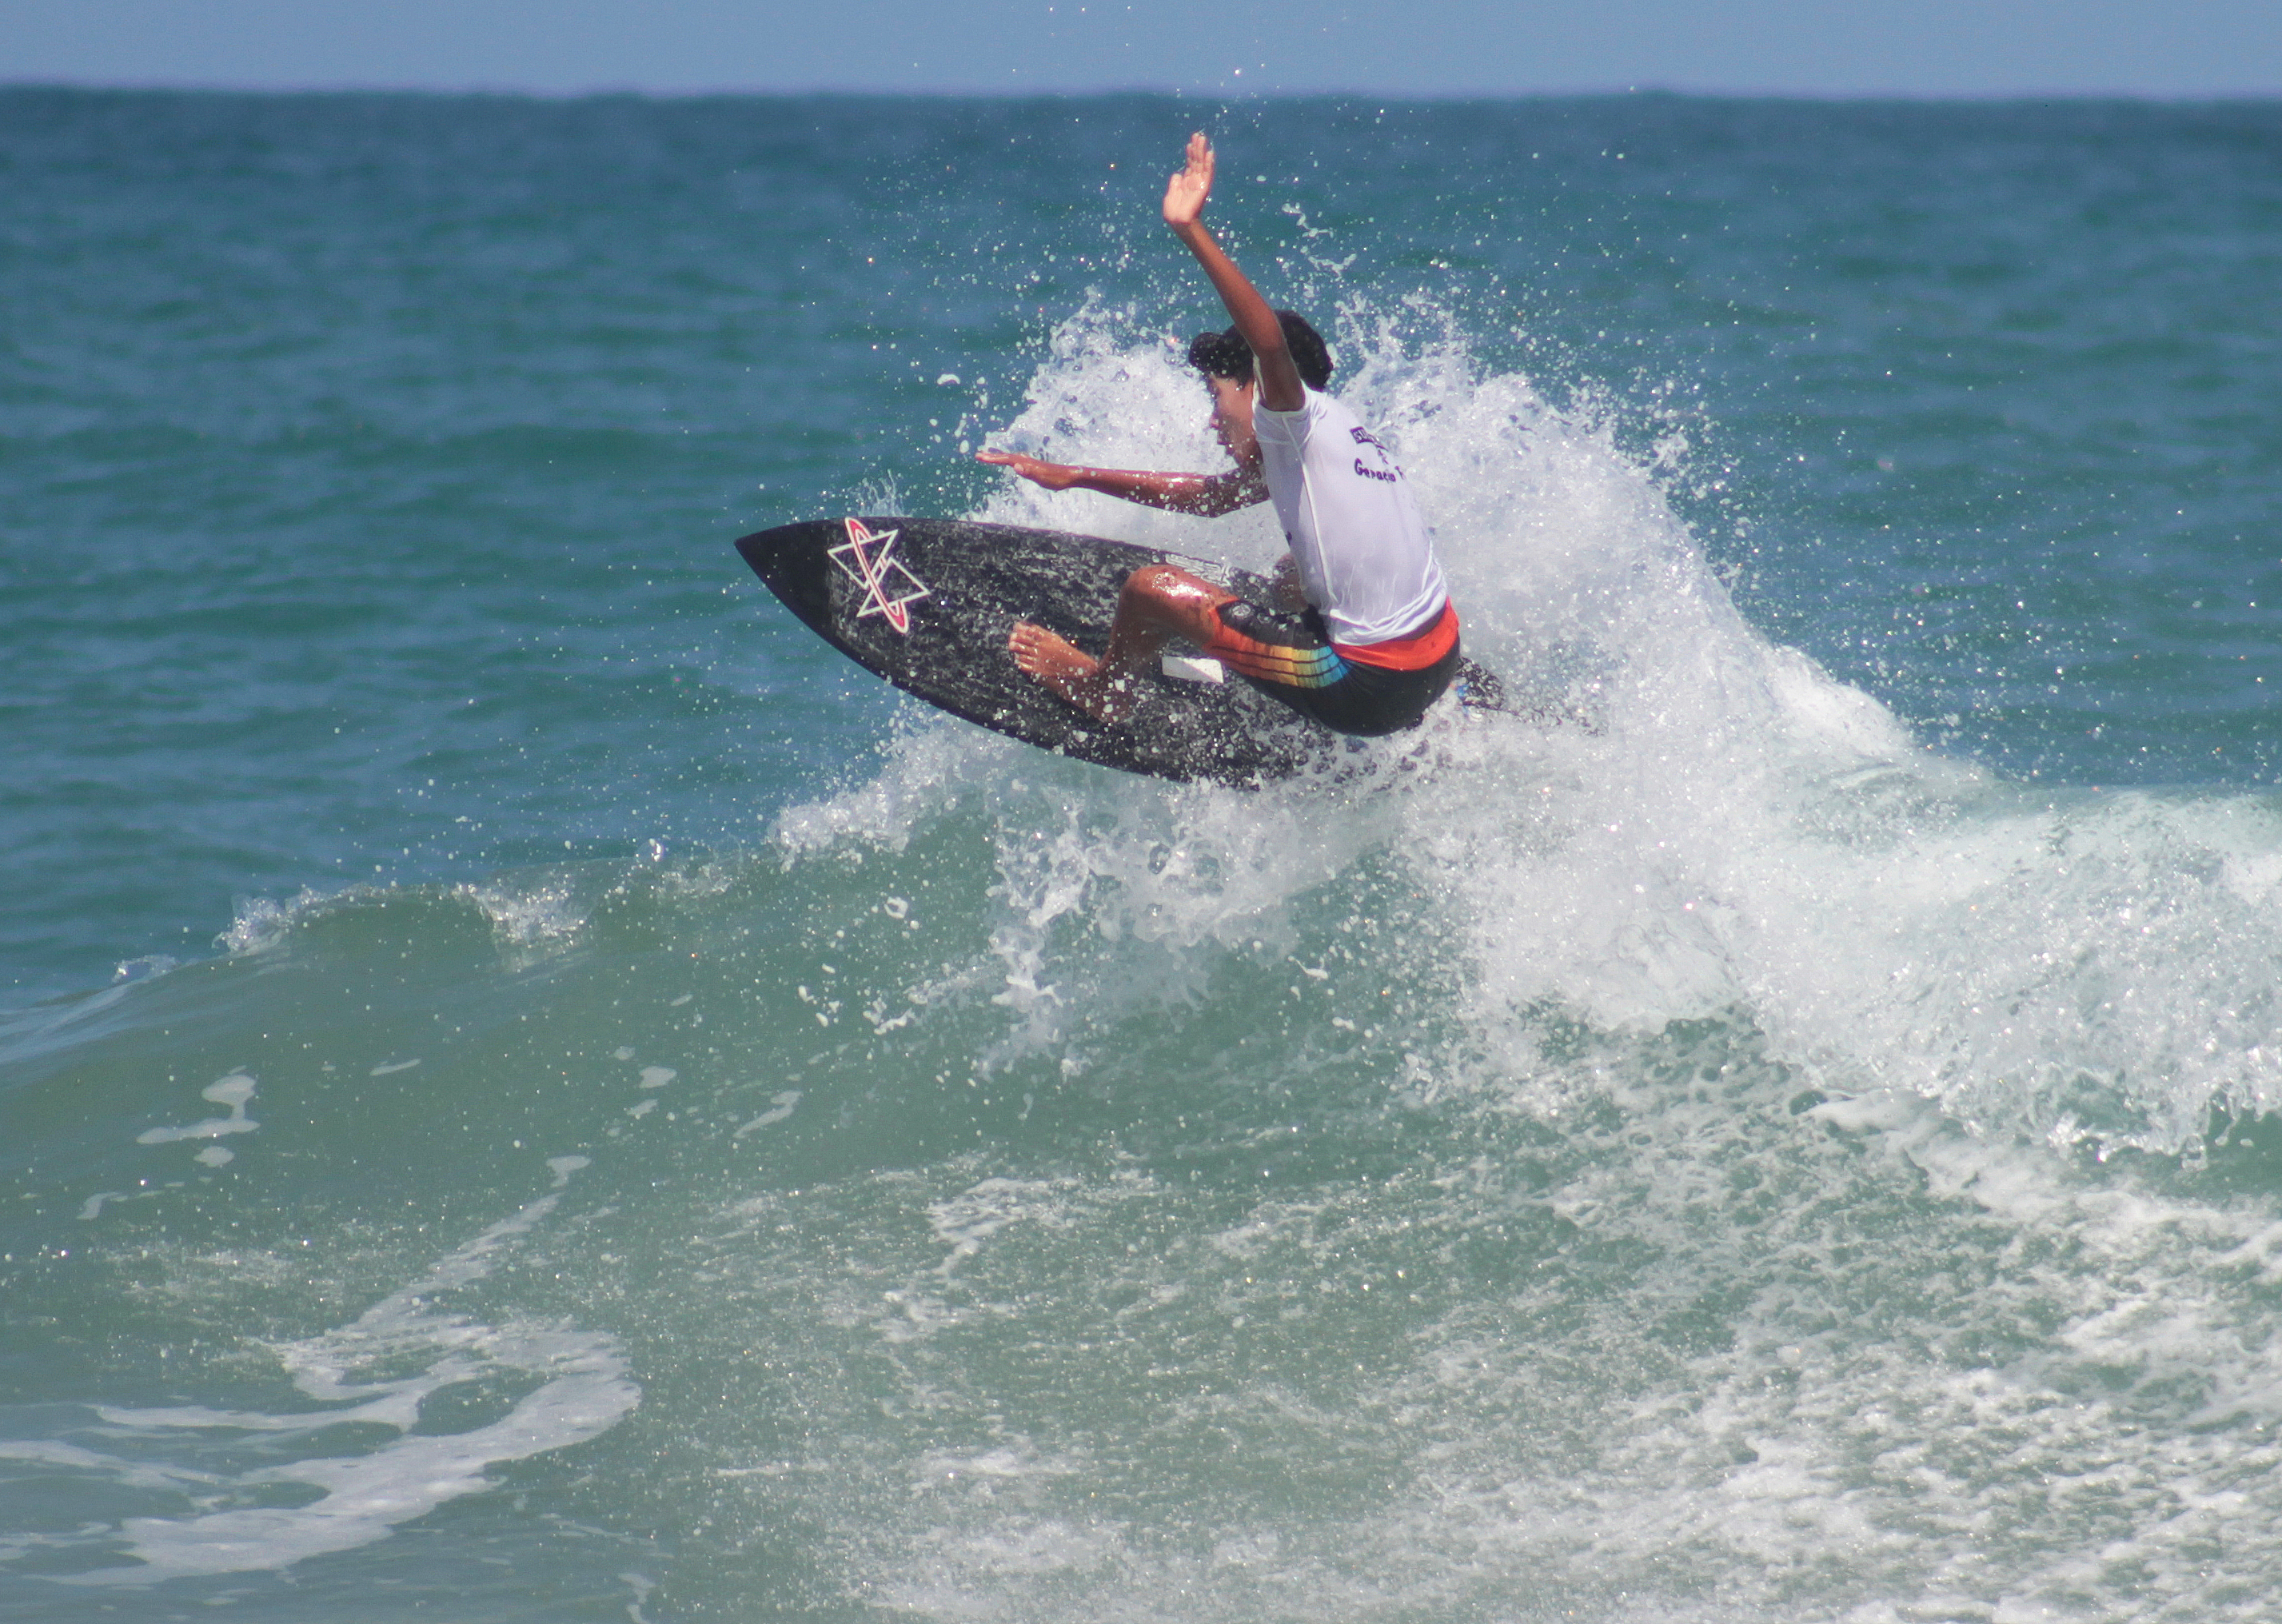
(1289, 658)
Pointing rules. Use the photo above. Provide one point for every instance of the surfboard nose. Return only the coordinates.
(784, 558)
(766, 549)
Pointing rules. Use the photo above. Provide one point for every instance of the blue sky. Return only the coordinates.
(1411, 47)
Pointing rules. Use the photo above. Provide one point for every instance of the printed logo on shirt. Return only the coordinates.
(889, 589)
(1386, 470)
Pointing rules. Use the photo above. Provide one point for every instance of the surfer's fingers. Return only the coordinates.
(1054, 476)
(1186, 191)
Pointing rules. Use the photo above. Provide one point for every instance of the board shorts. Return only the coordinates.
(1364, 689)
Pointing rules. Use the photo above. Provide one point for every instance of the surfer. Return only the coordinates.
(1366, 638)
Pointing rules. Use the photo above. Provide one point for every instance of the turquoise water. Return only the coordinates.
(532, 1089)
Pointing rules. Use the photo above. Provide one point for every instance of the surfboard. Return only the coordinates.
(928, 604)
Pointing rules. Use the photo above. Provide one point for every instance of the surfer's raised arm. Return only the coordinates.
(1259, 344)
(1209, 496)
(1280, 388)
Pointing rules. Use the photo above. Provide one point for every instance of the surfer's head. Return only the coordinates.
(1226, 361)
(1231, 418)
(1226, 354)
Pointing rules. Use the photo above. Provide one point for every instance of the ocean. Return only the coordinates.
(531, 1089)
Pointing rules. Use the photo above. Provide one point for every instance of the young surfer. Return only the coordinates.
(1371, 639)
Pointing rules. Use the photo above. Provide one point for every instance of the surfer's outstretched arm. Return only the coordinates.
(1280, 388)
(1209, 494)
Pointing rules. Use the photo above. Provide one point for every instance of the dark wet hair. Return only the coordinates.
(1226, 354)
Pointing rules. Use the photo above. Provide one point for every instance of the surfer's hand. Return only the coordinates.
(1054, 476)
(1185, 192)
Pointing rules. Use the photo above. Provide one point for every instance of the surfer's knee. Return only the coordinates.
(1157, 581)
(1170, 597)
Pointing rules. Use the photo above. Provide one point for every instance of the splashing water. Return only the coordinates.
(1723, 829)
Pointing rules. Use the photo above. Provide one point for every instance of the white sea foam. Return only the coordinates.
(575, 1385)
(1723, 1378)
(966, 1221)
(262, 923)
(538, 917)
(234, 1091)
(780, 1105)
(532, 917)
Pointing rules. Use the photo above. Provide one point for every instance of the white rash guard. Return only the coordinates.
(1366, 561)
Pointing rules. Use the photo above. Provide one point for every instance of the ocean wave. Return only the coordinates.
(1735, 831)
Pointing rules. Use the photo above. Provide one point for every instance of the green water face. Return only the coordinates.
(842, 1228)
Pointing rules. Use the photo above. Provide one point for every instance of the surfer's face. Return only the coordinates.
(1232, 418)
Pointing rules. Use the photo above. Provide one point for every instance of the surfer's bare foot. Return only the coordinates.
(1069, 672)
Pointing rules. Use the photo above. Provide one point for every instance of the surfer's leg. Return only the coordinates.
(1158, 603)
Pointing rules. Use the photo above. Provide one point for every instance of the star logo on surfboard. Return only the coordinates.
(889, 589)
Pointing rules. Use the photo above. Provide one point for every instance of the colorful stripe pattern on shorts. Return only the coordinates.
(1310, 667)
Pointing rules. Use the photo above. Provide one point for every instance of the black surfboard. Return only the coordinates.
(928, 604)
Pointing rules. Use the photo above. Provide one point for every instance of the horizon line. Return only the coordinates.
(604, 91)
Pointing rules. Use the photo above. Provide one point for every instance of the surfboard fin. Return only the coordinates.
(1479, 689)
